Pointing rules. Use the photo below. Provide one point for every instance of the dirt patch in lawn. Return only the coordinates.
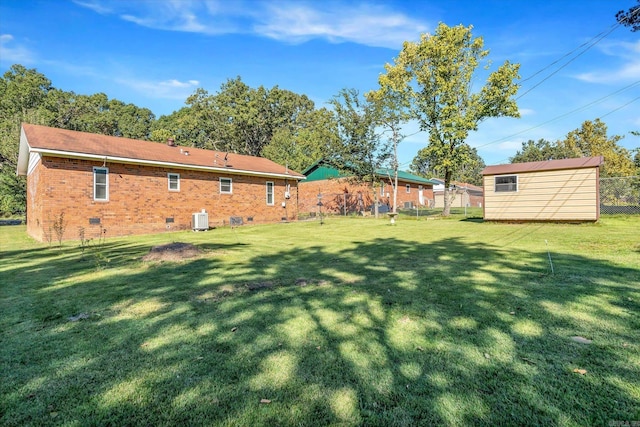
(175, 251)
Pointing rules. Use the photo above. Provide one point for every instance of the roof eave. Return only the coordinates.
(116, 159)
(23, 155)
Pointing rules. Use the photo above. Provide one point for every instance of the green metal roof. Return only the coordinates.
(405, 176)
(321, 170)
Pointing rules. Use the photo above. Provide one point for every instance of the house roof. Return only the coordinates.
(548, 165)
(72, 144)
(322, 169)
(405, 176)
(458, 184)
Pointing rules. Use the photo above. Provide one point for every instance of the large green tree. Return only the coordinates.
(362, 150)
(22, 91)
(541, 150)
(237, 118)
(314, 135)
(430, 167)
(439, 71)
(591, 140)
(393, 107)
(95, 114)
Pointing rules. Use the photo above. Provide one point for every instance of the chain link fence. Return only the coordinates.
(620, 195)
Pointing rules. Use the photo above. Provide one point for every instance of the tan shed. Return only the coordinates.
(553, 190)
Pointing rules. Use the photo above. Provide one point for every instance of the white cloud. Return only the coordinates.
(11, 53)
(94, 5)
(173, 83)
(628, 68)
(167, 89)
(627, 72)
(367, 25)
(512, 145)
(175, 15)
(174, 20)
(287, 21)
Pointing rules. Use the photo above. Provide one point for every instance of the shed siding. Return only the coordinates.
(563, 195)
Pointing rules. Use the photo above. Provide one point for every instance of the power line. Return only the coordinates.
(590, 44)
(565, 55)
(620, 107)
(584, 107)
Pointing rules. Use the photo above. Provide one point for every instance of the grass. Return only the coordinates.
(355, 322)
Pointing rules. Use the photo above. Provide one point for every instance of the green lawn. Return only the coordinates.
(354, 322)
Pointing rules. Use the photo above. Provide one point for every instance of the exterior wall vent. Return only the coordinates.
(200, 221)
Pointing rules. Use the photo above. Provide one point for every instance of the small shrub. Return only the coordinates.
(96, 249)
(59, 226)
(48, 235)
(84, 242)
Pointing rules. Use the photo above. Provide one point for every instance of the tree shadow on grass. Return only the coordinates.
(385, 332)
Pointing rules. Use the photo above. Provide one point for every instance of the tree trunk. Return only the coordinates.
(395, 169)
(375, 200)
(395, 191)
(447, 201)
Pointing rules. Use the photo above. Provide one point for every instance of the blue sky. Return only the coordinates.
(156, 53)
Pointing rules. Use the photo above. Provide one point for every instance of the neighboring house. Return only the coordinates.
(554, 190)
(341, 195)
(126, 186)
(463, 194)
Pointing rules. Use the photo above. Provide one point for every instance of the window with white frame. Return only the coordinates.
(270, 198)
(506, 183)
(408, 187)
(226, 186)
(100, 183)
(174, 181)
(382, 190)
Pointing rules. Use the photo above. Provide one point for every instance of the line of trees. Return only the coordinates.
(589, 140)
(429, 82)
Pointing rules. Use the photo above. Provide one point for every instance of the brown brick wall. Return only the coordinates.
(335, 192)
(140, 201)
(34, 204)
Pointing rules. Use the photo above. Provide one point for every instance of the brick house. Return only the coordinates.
(341, 195)
(128, 187)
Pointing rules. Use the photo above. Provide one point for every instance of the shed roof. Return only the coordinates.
(73, 144)
(548, 165)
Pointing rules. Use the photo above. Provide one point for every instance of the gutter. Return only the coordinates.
(126, 160)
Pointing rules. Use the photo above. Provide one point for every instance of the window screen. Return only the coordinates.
(506, 183)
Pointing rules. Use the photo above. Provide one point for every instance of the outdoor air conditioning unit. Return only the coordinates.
(200, 221)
